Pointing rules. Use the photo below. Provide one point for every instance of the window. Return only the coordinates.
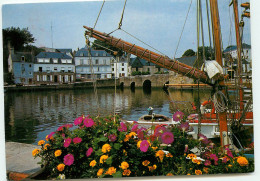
(48, 69)
(30, 65)
(81, 62)
(104, 54)
(69, 61)
(123, 64)
(40, 69)
(81, 54)
(22, 58)
(40, 60)
(148, 69)
(113, 69)
(96, 61)
(62, 69)
(30, 73)
(69, 69)
(38, 78)
(96, 54)
(98, 69)
(46, 60)
(104, 61)
(123, 69)
(63, 61)
(55, 68)
(55, 60)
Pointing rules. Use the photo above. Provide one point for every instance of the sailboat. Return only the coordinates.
(213, 124)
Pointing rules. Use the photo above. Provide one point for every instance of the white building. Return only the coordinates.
(53, 67)
(97, 63)
(120, 66)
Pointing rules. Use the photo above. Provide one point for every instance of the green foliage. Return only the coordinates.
(146, 73)
(134, 73)
(189, 53)
(119, 151)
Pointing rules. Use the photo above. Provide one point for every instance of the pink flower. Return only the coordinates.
(159, 131)
(134, 128)
(214, 157)
(89, 151)
(78, 121)
(77, 140)
(88, 122)
(229, 153)
(50, 135)
(67, 142)
(60, 128)
(68, 159)
(184, 126)
(204, 139)
(140, 133)
(68, 125)
(122, 127)
(167, 138)
(177, 116)
(186, 148)
(112, 137)
(144, 146)
(207, 163)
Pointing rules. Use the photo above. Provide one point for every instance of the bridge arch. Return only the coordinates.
(132, 85)
(147, 84)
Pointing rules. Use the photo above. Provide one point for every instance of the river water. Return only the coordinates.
(30, 116)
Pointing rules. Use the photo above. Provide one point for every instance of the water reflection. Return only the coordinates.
(29, 116)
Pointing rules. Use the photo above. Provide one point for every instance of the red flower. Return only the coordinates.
(144, 146)
(78, 121)
(77, 140)
(88, 122)
(167, 138)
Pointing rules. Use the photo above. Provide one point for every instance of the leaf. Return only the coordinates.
(117, 174)
(117, 146)
(99, 152)
(103, 138)
(109, 160)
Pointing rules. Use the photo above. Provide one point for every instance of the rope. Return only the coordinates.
(208, 20)
(220, 102)
(182, 30)
(202, 33)
(122, 16)
(99, 14)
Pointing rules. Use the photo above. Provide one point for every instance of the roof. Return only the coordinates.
(83, 52)
(233, 47)
(139, 63)
(64, 50)
(136, 63)
(187, 60)
(53, 55)
(17, 57)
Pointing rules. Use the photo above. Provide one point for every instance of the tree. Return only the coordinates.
(189, 53)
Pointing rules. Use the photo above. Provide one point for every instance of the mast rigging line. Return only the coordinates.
(99, 14)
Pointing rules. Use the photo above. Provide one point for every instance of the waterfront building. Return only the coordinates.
(67, 51)
(53, 67)
(23, 65)
(120, 66)
(97, 64)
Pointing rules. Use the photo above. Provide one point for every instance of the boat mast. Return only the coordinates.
(239, 50)
(218, 56)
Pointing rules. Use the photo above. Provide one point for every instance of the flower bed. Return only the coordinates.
(106, 147)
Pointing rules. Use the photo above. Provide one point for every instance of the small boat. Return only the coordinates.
(154, 118)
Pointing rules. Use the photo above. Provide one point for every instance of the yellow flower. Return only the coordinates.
(242, 161)
(169, 174)
(46, 146)
(106, 148)
(146, 163)
(154, 147)
(195, 160)
(160, 154)
(103, 158)
(47, 139)
(57, 153)
(191, 156)
(100, 172)
(110, 171)
(127, 172)
(139, 143)
(41, 142)
(125, 153)
(198, 172)
(61, 167)
(92, 163)
(132, 134)
(127, 137)
(229, 165)
(35, 152)
(169, 155)
(152, 168)
(188, 174)
(124, 165)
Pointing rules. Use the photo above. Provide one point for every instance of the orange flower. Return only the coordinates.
(124, 165)
(61, 167)
(127, 172)
(57, 153)
(242, 161)
(160, 154)
(191, 156)
(152, 168)
(127, 137)
(198, 172)
(132, 134)
(124, 152)
(110, 171)
(46, 146)
(146, 163)
(35, 152)
(106, 148)
(154, 147)
(169, 155)
(103, 158)
(100, 172)
(139, 143)
(169, 174)
(92, 163)
(41, 142)
(206, 169)
(195, 160)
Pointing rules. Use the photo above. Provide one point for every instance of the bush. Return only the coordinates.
(146, 73)
(136, 73)
(106, 147)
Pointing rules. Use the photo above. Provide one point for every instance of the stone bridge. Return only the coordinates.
(155, 80)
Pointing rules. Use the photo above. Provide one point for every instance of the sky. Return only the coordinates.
(157, 23)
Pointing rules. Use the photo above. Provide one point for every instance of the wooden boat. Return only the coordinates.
(154, 118)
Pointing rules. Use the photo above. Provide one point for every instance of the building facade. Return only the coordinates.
(97, 64)
(120, 66)
(23, 66)
(53, 68)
